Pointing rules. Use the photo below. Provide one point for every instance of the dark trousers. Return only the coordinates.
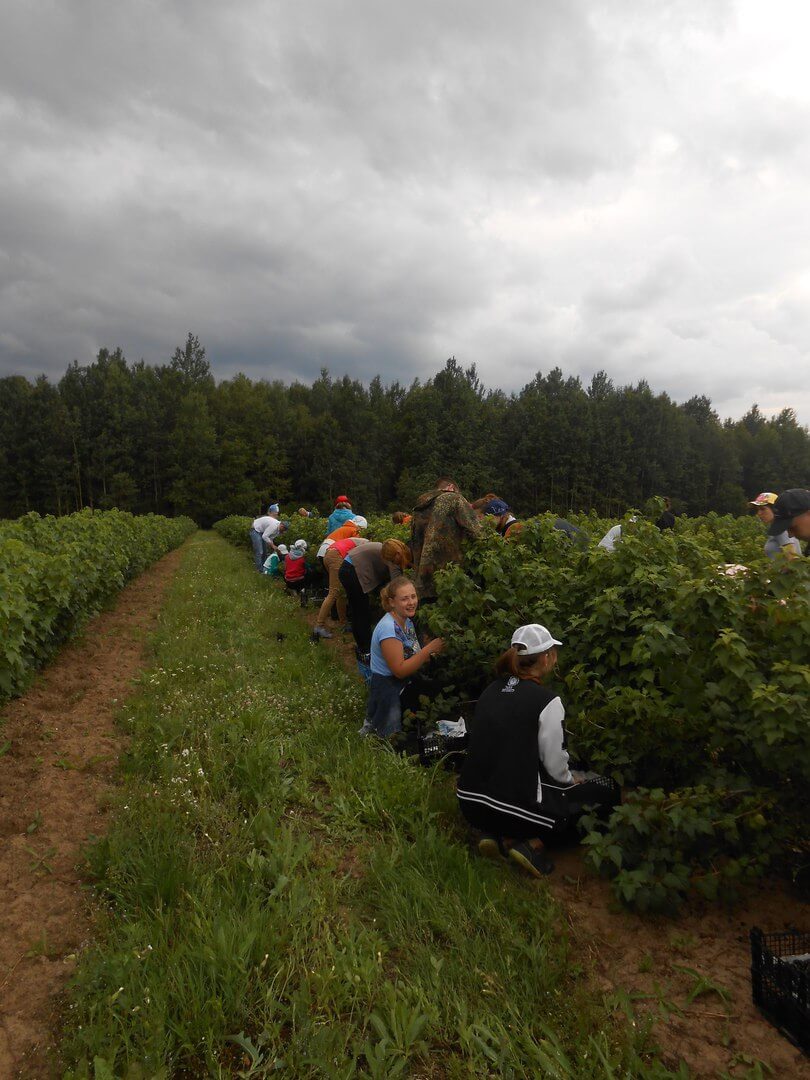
(359, 607)
(559, 810)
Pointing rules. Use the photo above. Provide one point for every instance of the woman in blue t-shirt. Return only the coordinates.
(395, 657)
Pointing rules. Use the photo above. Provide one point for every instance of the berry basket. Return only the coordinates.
(780, 982)
(448, 750)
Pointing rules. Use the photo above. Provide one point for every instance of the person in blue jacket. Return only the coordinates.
(340, 515)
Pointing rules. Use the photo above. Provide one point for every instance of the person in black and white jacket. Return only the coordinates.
(516, 784)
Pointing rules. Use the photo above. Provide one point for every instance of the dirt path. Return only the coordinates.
(54, 780)
(646, 957)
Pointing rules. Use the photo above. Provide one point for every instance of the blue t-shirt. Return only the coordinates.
(388, 627)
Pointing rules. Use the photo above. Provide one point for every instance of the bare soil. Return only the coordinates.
(55, 782)
(645, 958)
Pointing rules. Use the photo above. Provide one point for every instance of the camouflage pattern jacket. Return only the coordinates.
(441, 521)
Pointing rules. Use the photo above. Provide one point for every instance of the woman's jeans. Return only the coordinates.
(384, 708)
(258, 548)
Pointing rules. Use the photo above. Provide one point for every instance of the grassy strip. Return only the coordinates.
(282, 895)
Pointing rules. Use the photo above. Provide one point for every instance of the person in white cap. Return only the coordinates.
(274, 563)
(352, 527)
(516, 785)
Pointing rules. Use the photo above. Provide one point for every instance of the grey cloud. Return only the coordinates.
(639, 291)
(376, 187)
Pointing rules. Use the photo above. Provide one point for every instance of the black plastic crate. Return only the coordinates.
(780, 982)
(449, 750)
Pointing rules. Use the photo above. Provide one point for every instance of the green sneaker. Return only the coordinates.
(491, 847)
(534, 861)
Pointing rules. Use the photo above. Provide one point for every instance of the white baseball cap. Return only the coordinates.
(359, 521)
(283, 549)
(533, 639)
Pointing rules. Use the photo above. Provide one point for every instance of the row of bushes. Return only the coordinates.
(57, 572)
(687, 684)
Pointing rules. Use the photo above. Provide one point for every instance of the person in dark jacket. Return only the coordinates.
(791, 516)
(516, 785)
(667, 518)
(442, 519)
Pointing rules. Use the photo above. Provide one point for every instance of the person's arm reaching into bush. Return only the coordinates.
(394, 656)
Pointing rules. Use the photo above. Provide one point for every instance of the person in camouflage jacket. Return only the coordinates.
(442, 519)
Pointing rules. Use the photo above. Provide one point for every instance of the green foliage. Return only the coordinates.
(658, 848)
(56, 572)
(671, 670)
(167, 438)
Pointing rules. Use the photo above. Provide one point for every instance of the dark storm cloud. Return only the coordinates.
(374, 187)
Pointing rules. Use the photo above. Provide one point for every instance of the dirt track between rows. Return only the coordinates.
(55, 782)
(651, 958)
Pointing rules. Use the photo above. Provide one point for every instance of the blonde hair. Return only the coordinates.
(389, 592)
(394, 551)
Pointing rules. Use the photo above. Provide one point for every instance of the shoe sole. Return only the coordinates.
(488, 847)
(529, 866)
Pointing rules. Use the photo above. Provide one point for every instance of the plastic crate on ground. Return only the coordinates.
(780, 981)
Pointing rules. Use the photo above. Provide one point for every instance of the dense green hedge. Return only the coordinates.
(56, 572)
(686, 683)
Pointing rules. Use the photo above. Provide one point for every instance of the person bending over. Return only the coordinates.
(353, 527)
(363, 570)
(396, 657)
(442, 520)
(516, 785)
(256, 530)
(334, 552)
(506, 524)
(274, 563)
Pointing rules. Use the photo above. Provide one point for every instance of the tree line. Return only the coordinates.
(169, 439)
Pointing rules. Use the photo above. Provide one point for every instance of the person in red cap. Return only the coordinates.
(340, 515)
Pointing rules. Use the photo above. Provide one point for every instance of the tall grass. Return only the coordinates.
(279, 895)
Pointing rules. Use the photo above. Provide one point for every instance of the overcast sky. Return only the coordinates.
(374, 186)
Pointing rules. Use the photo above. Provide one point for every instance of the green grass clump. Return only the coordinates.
(280, 895)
